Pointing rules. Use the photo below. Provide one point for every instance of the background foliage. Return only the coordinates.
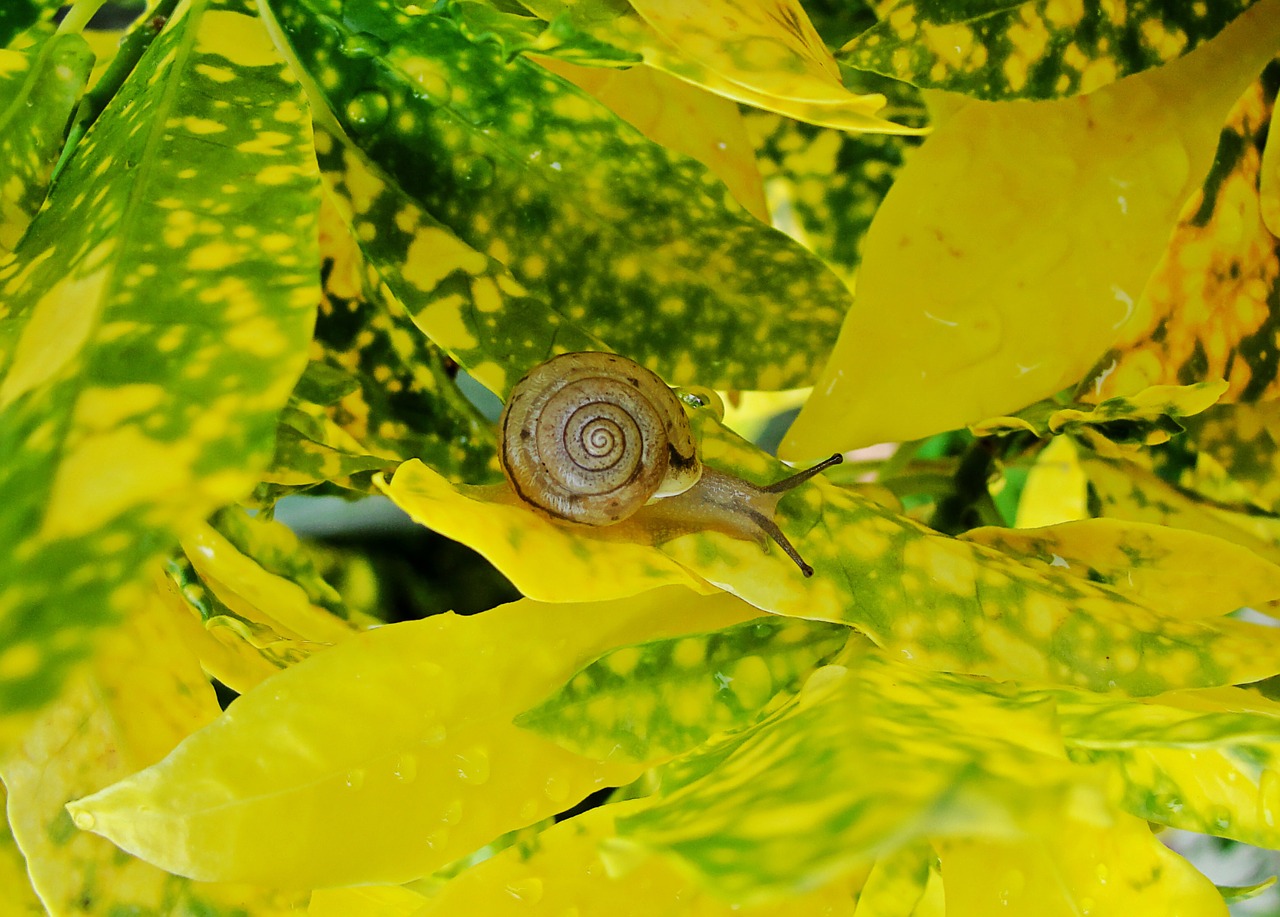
(302, 248)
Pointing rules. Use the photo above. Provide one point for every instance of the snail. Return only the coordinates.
(596, 439)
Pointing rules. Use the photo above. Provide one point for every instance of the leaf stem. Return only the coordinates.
(79, 15)
(969, 505)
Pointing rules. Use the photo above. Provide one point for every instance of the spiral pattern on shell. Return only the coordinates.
(592, 437)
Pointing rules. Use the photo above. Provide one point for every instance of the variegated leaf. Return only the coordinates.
(664, 698)
(154, 319)
(1210, 309)
(1003, 206)
(584, 212)
(1032, 49)
(406, 787)
(1238, 453)
(16, 16)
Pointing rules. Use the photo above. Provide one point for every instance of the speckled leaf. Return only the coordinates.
(141, 694)
(16, 16)
(763, 54)
(563, 871)
(1210, 309)
(1067, 204)
(640, 703)
(525, 34)
(1185, 574)
(544, 561)
(34, 115)
(154, 319)
(1238, 453)
(1148, 418)
(1205, 761)
(1033, 49)
(1083, 867)
(400, 736)
(870, 757)
(824, 185)
(582, 210)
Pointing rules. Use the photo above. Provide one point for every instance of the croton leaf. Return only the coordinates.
(141, 694)
(1237, 448)
(521, 33)
(1186, 574)
(1148, 418)
(899, 884)
(16, 16)
(563, 870)
(581, 208)
(366, 901)
(666, 697)
(1033, 49)
(1003, 206)
(38, 95)
(14, 879)
(119, 435)
(1210, 309)
(1080, 868)
(401, 736)
(870, 756)
(1205, 761)
(1056, 489)
(766, 54)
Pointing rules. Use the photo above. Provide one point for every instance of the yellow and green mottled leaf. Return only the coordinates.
(680, 116)
(765, 54)
(21, 897)
(1209, 310)
(1147, 418)
(547, 562)
(1065, 204)
(400, 738)
(1033, 49)
(644, 702)
(641, 247)
(16, 16)
(1205, 761)
(562, 871)
(1238, 453)
(152, 323)
(1056, 489)
(1186, 574)
(521, 33)
(1233, 894)
(34, 115)
(898, 883)
(869, 757)
(141, 694)
(1117, 870)
(824, 185)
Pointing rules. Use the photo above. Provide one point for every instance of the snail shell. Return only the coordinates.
(592, 437)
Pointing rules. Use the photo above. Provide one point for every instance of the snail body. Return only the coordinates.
(597, 439)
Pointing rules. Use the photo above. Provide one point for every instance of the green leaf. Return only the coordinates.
(524, 34)
(151, 330)
(871, 756)
(644, 702)
(1237, 453)
(582, 210)
(1233, 894)
(34, 115)
(401, 736)
(16, 16)
(1210, 309)
(1033, 49)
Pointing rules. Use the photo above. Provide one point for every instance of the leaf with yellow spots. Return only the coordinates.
(824, 185)
(36, 105)
(1033, 49)
(400, 736)
(525, 34)
(16, 16)
(1186, 574)
(1083, 867)
(872, 755)
(1065, 204)
(1210, 309)
(565, 871)
(1147, 418)
(636, 246)
(639, 703)
(140, 695)
(1205, 761)
(154, 319)
(1237, 453)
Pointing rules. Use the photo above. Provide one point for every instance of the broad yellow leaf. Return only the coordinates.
(1056, 487)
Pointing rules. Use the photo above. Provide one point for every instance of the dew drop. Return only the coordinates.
(1269, 797)
(363, 45)
(557, 789)
(355, 778)
(1221, 817)
(434, 735)
(406, 768)
(473, 766)
(84, 821)
(428, 82)
(476, 173)
(437, 838)
(701, 398)
(1103, 873)
(452, 813)
(527, 890)
(368, 111)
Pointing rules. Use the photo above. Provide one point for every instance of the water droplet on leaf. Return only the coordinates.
(476, 173)
(473, 766)
(355, 778)
(406, 768)
(363, 45)
(527, 890)
(368, 111)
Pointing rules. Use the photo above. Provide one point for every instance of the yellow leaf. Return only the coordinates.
(365, 901)
(392, 754)
(1116, 871)
(1056, 488)
(1014, 243)
(682, 117)
(1187, 574)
